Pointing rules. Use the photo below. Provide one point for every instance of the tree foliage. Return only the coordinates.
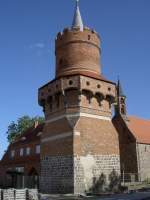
(22, 124)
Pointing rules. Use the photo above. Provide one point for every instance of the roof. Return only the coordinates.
(77, 20)
(120, 90)
(87, 74)
(29, 135)
(140, 128)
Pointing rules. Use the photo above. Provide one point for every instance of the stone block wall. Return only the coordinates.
(57, 174)
(96, 151)
(143, 154)
(91, 167)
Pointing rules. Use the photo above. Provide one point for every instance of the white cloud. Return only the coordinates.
(38, 45)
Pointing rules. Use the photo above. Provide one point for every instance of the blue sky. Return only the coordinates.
(27, 32)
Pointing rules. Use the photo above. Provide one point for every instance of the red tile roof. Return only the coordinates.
(31, 134)
(140, 128)
(90, 75)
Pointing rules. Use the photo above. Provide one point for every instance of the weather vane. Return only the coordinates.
(77, 2)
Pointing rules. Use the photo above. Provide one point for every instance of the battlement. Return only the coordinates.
(77, 51)
(70, 92)
(74, 34)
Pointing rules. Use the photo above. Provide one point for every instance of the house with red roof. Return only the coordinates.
(20, 165)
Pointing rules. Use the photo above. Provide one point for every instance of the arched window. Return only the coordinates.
(122, 100)
(123, 110)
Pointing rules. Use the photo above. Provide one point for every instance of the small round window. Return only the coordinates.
(88, 83)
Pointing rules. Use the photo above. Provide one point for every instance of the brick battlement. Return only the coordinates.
(77, 51)
(75, 34)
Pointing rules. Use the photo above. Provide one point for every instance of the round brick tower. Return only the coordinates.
(78, 50)
(75, 144)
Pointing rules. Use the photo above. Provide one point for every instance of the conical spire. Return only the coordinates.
(77, 20)
(120, 90)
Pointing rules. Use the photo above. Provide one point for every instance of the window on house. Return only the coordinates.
(20, 169)
(28, 149)
(57, 99)
(37, 150)
(50, 102)
(12, 153)
(21, 152)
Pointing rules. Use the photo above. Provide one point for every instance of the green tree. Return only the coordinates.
(23, 123)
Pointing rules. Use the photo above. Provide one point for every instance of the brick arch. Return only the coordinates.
(110, 99)
(71, 96)
(99, 97)
(88, 94)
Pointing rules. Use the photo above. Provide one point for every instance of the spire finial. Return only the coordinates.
(77, 2)
(77, 20)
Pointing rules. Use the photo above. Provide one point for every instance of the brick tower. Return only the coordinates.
(79, 141)
(120, 107)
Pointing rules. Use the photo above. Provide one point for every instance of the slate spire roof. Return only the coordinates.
(120, 90)
(77, 20)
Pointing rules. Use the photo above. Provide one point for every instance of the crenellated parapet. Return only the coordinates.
(77, 51)
(77, 92)
(68, 35)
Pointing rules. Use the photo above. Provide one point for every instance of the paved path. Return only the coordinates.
(135, 196)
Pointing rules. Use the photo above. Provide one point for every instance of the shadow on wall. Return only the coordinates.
(101, 185)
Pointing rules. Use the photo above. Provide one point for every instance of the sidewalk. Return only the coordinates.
(134, 196)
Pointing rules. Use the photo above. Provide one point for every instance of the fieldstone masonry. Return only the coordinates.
(64, 174)
(57, 174)
(89, 167)
(143, 161)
